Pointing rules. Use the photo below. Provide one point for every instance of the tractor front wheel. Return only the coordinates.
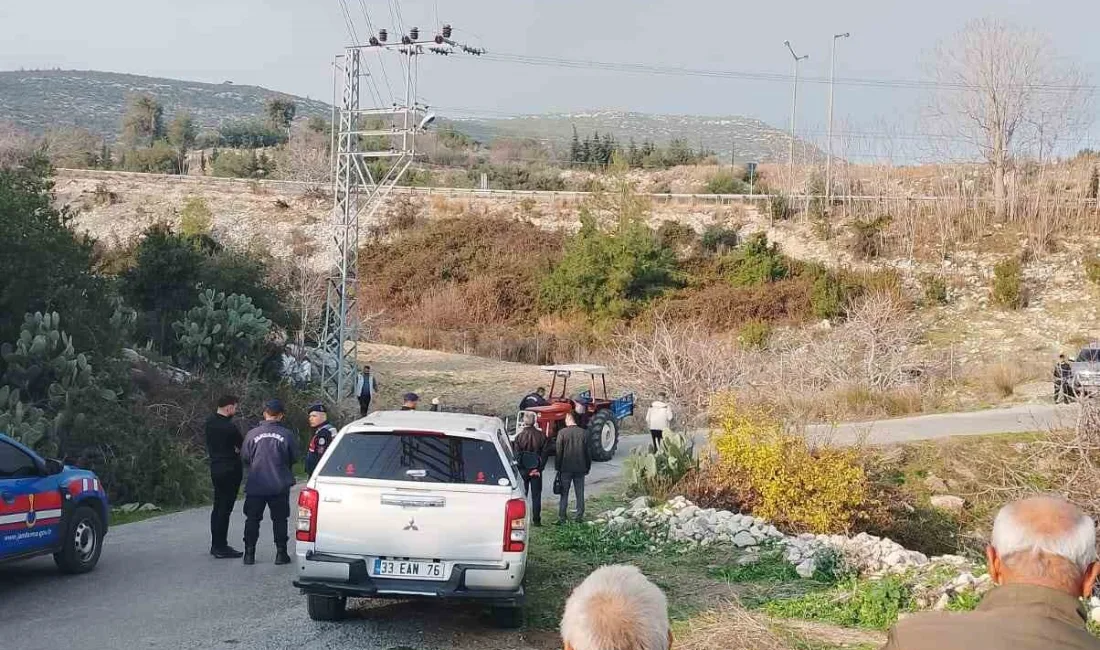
(603, 435)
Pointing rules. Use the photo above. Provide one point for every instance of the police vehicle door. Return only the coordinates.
(30, 505)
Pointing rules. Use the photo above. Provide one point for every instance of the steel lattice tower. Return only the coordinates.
(372, 150)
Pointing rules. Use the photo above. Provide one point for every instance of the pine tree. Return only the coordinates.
(575, 148)
(633, 155)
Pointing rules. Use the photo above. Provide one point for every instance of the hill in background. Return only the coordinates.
(36, 100)
(754, 140)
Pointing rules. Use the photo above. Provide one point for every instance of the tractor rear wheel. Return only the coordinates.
(603, 435)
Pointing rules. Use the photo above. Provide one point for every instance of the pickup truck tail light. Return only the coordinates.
(515, 526)
(307, 516)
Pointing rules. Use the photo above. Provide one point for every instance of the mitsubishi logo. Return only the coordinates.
(412, 525)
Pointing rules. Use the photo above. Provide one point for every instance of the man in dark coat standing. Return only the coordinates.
(573, 461)
(223, 446)
(533, 441)
(270, 451)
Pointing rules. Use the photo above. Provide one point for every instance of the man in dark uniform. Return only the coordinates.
(410, 401)
(531, 400)
(223, 446)
(323, 433)
(270, 451)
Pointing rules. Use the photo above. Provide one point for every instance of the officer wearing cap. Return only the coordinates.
(269, 451)
(410, 402)
(323, 433)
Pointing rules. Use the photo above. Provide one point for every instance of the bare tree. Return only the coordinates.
(72, 147)
(1001, 91)
(306, 156)
(15, 145)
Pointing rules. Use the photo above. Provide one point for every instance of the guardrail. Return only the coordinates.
(717, 199)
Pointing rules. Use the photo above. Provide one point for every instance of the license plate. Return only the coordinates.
(411, 570)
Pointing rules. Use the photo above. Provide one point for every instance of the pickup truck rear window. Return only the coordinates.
(415, 457)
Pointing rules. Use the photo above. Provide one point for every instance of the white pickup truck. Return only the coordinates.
(414, 504)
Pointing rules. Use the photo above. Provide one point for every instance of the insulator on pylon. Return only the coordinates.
(374, 41)
(446, 31)
(438, 39)
(406, 40)
(382, 35)
(414, 33)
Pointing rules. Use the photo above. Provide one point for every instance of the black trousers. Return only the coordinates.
(364, 404)
(227, 482)
(658, 435)
(278, 506)
(532, 486)
(577, 482)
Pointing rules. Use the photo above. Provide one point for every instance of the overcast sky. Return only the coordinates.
(287, 45)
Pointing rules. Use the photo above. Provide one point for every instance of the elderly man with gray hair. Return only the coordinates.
(1042, 558)
(616, 608)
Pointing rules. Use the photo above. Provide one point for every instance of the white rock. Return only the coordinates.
(806, 568)
(948, 503)
(743, 540)
(1094, 615)
(149, 507)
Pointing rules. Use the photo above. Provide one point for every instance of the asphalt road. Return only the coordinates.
(155, 587)
(1016, 419)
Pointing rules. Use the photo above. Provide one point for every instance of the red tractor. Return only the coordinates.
(594, 410)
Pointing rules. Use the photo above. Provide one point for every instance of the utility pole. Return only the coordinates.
(794, 111)
(829, 147)
(373, 148)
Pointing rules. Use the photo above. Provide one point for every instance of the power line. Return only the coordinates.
(355, 39)
(649, 69)
(381, 60)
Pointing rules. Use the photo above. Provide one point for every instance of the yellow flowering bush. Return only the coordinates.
(781, 478)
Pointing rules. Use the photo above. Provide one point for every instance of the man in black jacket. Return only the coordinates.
(270, 451)
(531, 400)
(323, 433)
(223, 446)
(573, 462)
(533, 441)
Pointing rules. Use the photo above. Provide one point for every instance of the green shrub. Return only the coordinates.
(250, 134)
(221, 332)
(676, 236)
(655, 473)
(771, 567)
(600, 543)
(161, 158)
(779, 207)
(1008, 284)
(607, 273)
(873, 604)
(195, 217)
(755, 334)
(935, 289)
(719, 239)
(868, 236)
(756, 262)
(1092, 270)
(725, 183)
(830, 296)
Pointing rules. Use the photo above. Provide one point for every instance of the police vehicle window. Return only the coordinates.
(1089, 355)
(14, 463)
(415, 457)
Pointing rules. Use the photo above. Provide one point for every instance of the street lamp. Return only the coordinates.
(829, 154)
(794, 110)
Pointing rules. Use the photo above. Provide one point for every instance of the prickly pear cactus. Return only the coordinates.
(221, 332)
(23, 422)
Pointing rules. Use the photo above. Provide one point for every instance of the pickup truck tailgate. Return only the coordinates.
(404, 494)
(389, 521)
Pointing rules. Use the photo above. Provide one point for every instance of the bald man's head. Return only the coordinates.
(1045, 541)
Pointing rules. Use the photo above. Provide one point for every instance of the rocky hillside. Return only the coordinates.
(36, 100)
(754, 140)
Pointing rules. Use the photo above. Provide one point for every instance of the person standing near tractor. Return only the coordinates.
(531, 400)
(573, 460)
(1063, 381)
(533, 441)
(659, 419)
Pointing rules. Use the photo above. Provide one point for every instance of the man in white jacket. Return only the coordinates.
(659, 418)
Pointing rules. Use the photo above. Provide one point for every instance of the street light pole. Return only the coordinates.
(794, 111)
(829, 153)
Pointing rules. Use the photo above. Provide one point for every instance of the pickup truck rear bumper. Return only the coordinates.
(359, 584)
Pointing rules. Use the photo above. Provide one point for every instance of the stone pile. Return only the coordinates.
(680, 521)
